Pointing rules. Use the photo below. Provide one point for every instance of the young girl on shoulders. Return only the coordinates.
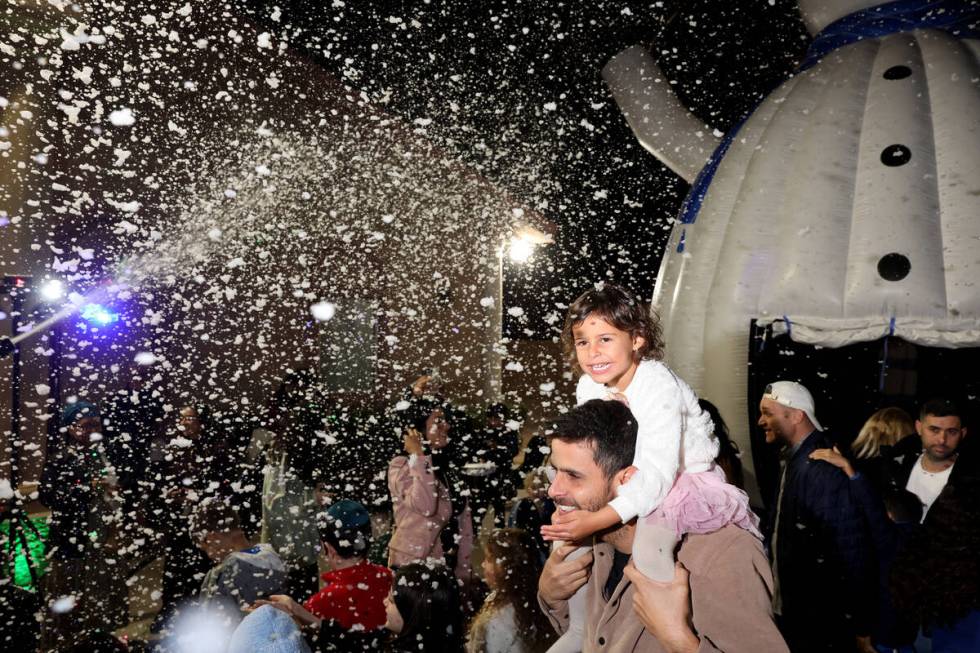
(615, 342)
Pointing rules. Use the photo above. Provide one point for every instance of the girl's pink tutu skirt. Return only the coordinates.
(704, 502)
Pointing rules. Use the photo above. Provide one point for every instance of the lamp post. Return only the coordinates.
(16, 286)
(519, 245)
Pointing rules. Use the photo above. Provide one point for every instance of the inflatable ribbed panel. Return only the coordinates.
(848, 203)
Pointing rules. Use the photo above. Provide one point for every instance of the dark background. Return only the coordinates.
(483, 72)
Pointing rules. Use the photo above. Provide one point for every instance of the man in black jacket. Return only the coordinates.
(818, 541)
(923, 463)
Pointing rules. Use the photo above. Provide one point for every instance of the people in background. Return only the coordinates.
(354, 589)
(931, 459)
(432, 517)
(422, 610)
(936, 579)
(186, 475)
(876, 440)
(243, 572)
(289, 505)
(83, 592)
(822, 556)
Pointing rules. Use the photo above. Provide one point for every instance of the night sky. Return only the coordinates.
(515, 88)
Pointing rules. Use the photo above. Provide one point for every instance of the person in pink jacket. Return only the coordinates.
(432, 519)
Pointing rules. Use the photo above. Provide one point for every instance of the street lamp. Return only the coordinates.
(519, 245)
(521, 249)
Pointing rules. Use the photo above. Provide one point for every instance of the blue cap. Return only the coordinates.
(347, 514)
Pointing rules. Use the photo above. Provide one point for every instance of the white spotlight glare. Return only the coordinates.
(521, 249)
(52, 290)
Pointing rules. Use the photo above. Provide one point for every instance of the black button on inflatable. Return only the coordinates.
(602, 641)
(894, 267)
(897, 72)
(896, 155)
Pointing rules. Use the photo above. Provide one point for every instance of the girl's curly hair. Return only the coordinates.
(620, 308)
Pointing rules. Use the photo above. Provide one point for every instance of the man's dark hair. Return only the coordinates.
(940, 407)
(607, 426)
(902, 506)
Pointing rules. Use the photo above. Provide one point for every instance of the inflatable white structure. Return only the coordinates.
(846, 205)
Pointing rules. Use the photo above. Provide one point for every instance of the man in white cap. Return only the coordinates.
(820, 549)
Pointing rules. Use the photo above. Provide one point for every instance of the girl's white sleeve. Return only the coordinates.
(658, 406)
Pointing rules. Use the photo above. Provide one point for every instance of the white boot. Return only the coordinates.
(653, 550)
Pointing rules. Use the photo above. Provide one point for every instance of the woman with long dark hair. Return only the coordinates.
(729, 457)
(432, 517)
(423, 610)
(510, 620)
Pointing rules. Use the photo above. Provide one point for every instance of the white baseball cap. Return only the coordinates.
(793, 395)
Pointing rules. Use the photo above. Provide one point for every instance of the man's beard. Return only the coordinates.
(597, 503)
(593, 503)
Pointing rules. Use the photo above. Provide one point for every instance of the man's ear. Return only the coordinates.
(796, 416)
(918, 427)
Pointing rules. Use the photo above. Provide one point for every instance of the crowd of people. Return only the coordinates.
(624, 527)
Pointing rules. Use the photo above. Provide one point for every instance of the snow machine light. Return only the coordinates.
(98, 315)
(52, 290)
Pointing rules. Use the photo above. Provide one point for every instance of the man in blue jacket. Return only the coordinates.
(818, 541)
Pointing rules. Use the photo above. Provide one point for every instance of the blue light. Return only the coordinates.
(98, 315)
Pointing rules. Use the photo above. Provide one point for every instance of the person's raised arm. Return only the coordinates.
(303, 617)
(411, 480)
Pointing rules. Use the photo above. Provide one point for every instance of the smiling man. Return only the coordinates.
(726, 605)
(818, 540)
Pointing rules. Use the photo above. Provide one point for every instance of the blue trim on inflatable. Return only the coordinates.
(884, 358)
(959, 17)
(692, 203)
